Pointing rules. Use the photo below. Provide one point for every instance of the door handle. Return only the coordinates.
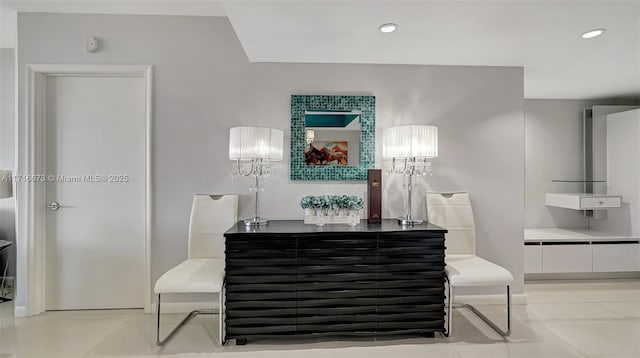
(53, 205)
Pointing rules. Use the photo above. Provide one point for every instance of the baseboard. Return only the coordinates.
(184, 307)
(518, 299)
(21, 311)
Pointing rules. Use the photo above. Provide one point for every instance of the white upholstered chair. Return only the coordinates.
(464, 268)
(203, 271)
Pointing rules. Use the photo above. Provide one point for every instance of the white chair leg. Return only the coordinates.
(489, 322)
(161, 342)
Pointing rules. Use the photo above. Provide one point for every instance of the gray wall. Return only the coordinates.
(7, 135)
(553, 150)
(203, 85)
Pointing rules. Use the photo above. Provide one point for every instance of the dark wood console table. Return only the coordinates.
(290, 279)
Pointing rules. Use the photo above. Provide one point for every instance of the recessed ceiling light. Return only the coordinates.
(593, 33)
(387, 28)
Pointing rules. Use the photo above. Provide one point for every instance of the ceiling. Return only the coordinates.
(541, 36)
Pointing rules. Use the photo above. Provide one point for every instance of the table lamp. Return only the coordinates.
(410, 148)
(254, 149)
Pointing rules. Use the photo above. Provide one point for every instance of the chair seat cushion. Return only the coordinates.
(193, 276)
(471, 270)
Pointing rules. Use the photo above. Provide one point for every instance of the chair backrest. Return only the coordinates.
(453, 212)
(211, 216)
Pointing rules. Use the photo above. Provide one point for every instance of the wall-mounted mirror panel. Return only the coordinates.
(332, 137)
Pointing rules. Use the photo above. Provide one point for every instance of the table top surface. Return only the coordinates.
(298, 226)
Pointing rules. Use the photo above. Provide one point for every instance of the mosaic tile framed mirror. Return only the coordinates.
(332, 137)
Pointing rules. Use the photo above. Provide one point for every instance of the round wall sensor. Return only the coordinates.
(91, 44)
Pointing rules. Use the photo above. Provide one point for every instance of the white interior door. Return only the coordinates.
(95, 159)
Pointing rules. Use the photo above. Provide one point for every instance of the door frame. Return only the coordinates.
(31, 198)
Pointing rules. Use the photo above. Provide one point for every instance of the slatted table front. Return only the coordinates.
(288, 279)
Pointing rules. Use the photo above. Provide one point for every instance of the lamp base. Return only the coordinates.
(409, 221)
(256, 221)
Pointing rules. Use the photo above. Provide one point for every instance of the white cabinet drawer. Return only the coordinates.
(533, 258)
(600, 202)
(567, 258)
(616, 257)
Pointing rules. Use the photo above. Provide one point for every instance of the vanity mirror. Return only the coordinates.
(332, 137)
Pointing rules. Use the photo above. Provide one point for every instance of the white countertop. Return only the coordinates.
(587, 195)
(555, 234)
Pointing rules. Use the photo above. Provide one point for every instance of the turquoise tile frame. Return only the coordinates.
(302, 103)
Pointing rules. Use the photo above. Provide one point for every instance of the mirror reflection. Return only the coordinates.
(332, 138)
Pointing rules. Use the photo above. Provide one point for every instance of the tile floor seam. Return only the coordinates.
(594, 300)
(601, 305)
(565, 342)
(93, 348)
(597, 304)
(615, 312)
(457, 352)
(578, 320)
(581, 350)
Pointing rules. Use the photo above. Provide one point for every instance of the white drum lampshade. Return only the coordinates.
(410, 142)
(246, 143)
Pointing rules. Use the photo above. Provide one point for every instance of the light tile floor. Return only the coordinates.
(585, 318)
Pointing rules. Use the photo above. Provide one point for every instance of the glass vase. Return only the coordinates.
(354, 217)
(321, 217)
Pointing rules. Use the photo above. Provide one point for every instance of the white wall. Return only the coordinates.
(7, 142)
(554, 150)
(203, 85)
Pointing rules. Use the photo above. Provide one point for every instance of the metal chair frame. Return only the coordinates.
(221, 317)
(450, 306)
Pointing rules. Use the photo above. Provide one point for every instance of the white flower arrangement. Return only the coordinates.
(331, 209)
